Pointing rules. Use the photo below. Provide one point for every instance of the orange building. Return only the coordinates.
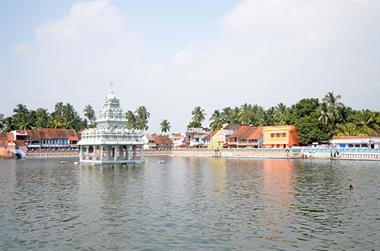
(280, 136)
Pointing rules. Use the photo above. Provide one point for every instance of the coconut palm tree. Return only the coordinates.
(280, 114)
(2, 122)
(198, 116)
(42, 118)
(349, 129)
(131, 120)
(165, 126)
(258, 115)
(367, 123)
(217, 120)
(246, 113)
(334, 107)
(89, 113)
(142, 116)
(21, 117)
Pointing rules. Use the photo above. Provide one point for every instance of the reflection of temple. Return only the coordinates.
(111, 142)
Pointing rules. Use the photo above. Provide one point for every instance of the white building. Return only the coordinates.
(356, 142)
(111, 142)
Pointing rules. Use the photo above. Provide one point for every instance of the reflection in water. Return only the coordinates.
(197, 203)
(278, 192)
(219, 167)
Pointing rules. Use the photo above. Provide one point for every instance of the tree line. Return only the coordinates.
(316, 120)
(64, 116)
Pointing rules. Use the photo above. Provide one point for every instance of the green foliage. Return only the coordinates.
(198, 116)
(2, 122)
(138, 119)
(89, 113)
(142, 116)
(217, 120)
(131, 120)
(309, 130)
(165, 126)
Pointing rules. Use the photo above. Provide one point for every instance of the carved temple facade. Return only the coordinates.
(111, 142)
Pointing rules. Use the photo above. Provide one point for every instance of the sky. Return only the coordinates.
(171, 56)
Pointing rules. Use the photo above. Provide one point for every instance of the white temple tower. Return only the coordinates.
(111, 142)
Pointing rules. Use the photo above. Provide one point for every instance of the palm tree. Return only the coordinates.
(246, 113)
(2, 122)
(21, 117)
(131, 120)
(42, 118)
(258, 115)
(89, 113)
(349, 129)
(165, 126)
(198, 116)
(327, 119)
(366, 122)
(142, 116)
(280, 114)
(217, 120)
(334, 107)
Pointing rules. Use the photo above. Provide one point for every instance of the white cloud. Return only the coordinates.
(22, 49)
(267, 52)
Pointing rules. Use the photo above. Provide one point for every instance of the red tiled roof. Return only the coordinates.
(233, 127)
(256, 133)
(50, 133)
(161, 139)
(246, 132)
(239, 132)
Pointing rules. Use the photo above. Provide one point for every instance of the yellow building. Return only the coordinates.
(218, 139)
(280, 136)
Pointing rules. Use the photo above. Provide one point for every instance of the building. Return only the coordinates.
(157, 142)
(356, 142)
(17, 141)
(178, 140)
(280, 136)
(220, 137)
(246, 137)
(52, 139)
(111, 142)
(195, 138)
(207, 138)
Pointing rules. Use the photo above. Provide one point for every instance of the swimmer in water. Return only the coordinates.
(351, 187)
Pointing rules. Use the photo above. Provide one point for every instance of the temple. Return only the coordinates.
(111, 142)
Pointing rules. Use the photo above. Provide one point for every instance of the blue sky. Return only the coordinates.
(173, 55)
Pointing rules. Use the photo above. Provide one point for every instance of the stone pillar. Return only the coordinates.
(129, 152)
(134, 152)
(121, 153)
(115, 153)
(142, 153)
(101, 152)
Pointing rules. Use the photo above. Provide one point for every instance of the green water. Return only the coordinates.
(190, 203)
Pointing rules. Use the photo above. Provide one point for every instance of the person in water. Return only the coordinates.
(351, 187)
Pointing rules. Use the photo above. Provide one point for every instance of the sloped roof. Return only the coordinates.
(232, 127)
(50, 133)
(161, 139)
(247, 132)
(240, 131)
